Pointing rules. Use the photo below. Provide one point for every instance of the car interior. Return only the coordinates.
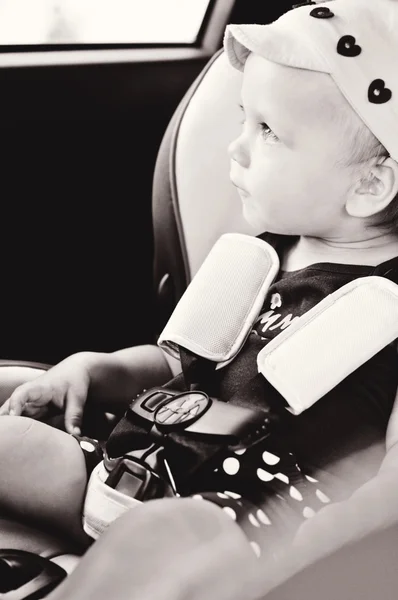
(115, 187)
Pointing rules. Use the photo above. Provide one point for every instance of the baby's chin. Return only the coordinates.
(252, 219)
(260, 225)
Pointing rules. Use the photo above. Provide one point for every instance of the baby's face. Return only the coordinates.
(284, 160)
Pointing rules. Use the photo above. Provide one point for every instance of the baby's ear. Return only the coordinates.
(374, 192)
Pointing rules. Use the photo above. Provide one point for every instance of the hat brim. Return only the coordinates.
(276, 42)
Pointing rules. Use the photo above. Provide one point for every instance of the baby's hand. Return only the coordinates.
(65, 385)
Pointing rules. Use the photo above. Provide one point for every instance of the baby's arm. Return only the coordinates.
(121, 375)
(112, 379)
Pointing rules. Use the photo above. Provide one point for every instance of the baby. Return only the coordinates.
(315, 168)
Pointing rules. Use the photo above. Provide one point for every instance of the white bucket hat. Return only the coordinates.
(355, 41)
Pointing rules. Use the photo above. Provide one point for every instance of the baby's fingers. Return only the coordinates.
(17, 401)
(28, 400)
(76, 399)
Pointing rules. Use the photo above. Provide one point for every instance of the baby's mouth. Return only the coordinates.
(242, 192)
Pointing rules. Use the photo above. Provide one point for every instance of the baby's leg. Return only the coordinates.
(42, 475)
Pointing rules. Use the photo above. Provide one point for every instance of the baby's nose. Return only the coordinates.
(239, 153)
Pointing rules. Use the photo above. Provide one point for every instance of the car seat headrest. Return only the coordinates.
(194, 202)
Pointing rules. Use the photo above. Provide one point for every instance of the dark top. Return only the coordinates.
(354, 415)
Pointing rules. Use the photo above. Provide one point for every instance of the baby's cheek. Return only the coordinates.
(266, 184)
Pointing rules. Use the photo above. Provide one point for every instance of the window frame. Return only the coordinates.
(206, 44)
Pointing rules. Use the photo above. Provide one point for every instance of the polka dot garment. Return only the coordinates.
(265, 492)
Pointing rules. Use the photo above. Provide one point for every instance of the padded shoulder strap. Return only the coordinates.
(216, 312)
(331, 340)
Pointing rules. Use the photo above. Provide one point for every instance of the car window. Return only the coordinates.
(27, 22)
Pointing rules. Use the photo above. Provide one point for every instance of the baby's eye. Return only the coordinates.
(267, 132)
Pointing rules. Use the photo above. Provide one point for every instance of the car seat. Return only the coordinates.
(194, 203)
